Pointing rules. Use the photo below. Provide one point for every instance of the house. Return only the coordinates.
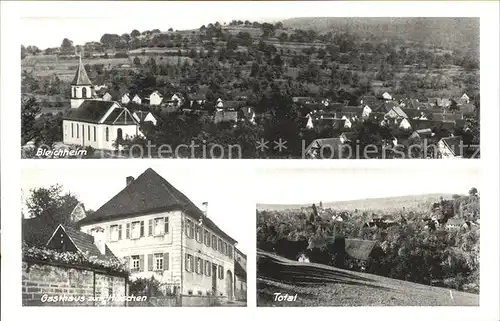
(386, 96)
(137, 99)
(324, 148)
(422, 134)
(240, 273)
(125, 99)
(160, 233)
(396, 113)
(144, 116)
(225, 116)
(451, 147)
(456, 223)
(248, 113)
(176, 100)
(347, 122)
(99, 124)
(366, 111)
(107, 97)
(156, 98)
(405, 124)
(198, 98)
(363, 253)
(464, 99)
(78, 212)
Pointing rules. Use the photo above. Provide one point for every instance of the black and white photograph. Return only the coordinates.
(288, 88)
(369, 237)
(136, 240)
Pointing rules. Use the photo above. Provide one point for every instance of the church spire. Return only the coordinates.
(81, 77)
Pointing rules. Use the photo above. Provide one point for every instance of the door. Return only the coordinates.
(214, 279)
(229, 285)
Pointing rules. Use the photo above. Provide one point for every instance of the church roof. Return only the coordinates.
(81, 77)
(147, 194)
(90, 111)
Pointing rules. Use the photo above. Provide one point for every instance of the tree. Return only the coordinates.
(67, 46)
(110, 40)
(51, 204)
(473, 192)
(23, 52)
(29, 110)
(135, 33)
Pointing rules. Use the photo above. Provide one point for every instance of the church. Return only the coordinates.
(95, 122)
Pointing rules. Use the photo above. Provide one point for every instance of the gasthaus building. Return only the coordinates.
(160, 233)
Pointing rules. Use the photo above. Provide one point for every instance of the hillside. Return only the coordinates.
(321, 285)
(452, 33)
(397, 202)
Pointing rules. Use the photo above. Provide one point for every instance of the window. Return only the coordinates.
(165, 228)
(74, 92)
(136, 230)
(214, 242)
(94, 134)
(72, 130)
(116, 232)
(189, 228)
(107, 134)
(199, 265)
(206, 237)
(220, 245)
(221, 272)
(84, 92)
(135, 262)
(198, 233)
(158, 262)
(208, 270)
(189, 262)
(159, 226)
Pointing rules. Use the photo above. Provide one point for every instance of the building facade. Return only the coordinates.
(160, 233)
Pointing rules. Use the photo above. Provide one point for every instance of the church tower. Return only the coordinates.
(81, 87)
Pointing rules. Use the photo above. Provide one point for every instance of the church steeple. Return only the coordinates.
(81, 86)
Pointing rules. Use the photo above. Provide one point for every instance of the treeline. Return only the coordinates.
(414, 251)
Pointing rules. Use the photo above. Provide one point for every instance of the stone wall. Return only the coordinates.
(54, 284)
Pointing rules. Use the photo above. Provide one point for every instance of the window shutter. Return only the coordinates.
(141, 262)
(166, 225)
(192, 263)
(120, 232)
(142, 229)
(187, 262)
(127, 231)
(186, 225)
(150, 227)
(165, 261)
(150, 262)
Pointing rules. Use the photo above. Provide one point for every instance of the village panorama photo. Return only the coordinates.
(289, 88)
(138, 242)
(345, 241)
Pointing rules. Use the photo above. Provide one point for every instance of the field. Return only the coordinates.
(321, 285)
(64, 68)
(413, 202)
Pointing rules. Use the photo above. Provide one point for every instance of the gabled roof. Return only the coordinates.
(149, 193)
(142, 114)
(91, 111)
(81, 77)
(359, 249)
(332, 144)
(398, 111)
(454, 144)
(83, 242)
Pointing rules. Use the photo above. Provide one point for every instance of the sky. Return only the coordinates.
(88, 21)
(308, 186)
(227, 206)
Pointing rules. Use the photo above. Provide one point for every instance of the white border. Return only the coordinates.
(11, 12)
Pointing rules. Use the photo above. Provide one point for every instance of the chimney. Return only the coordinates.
(205, 208)
(130, 179)
(99, 240)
